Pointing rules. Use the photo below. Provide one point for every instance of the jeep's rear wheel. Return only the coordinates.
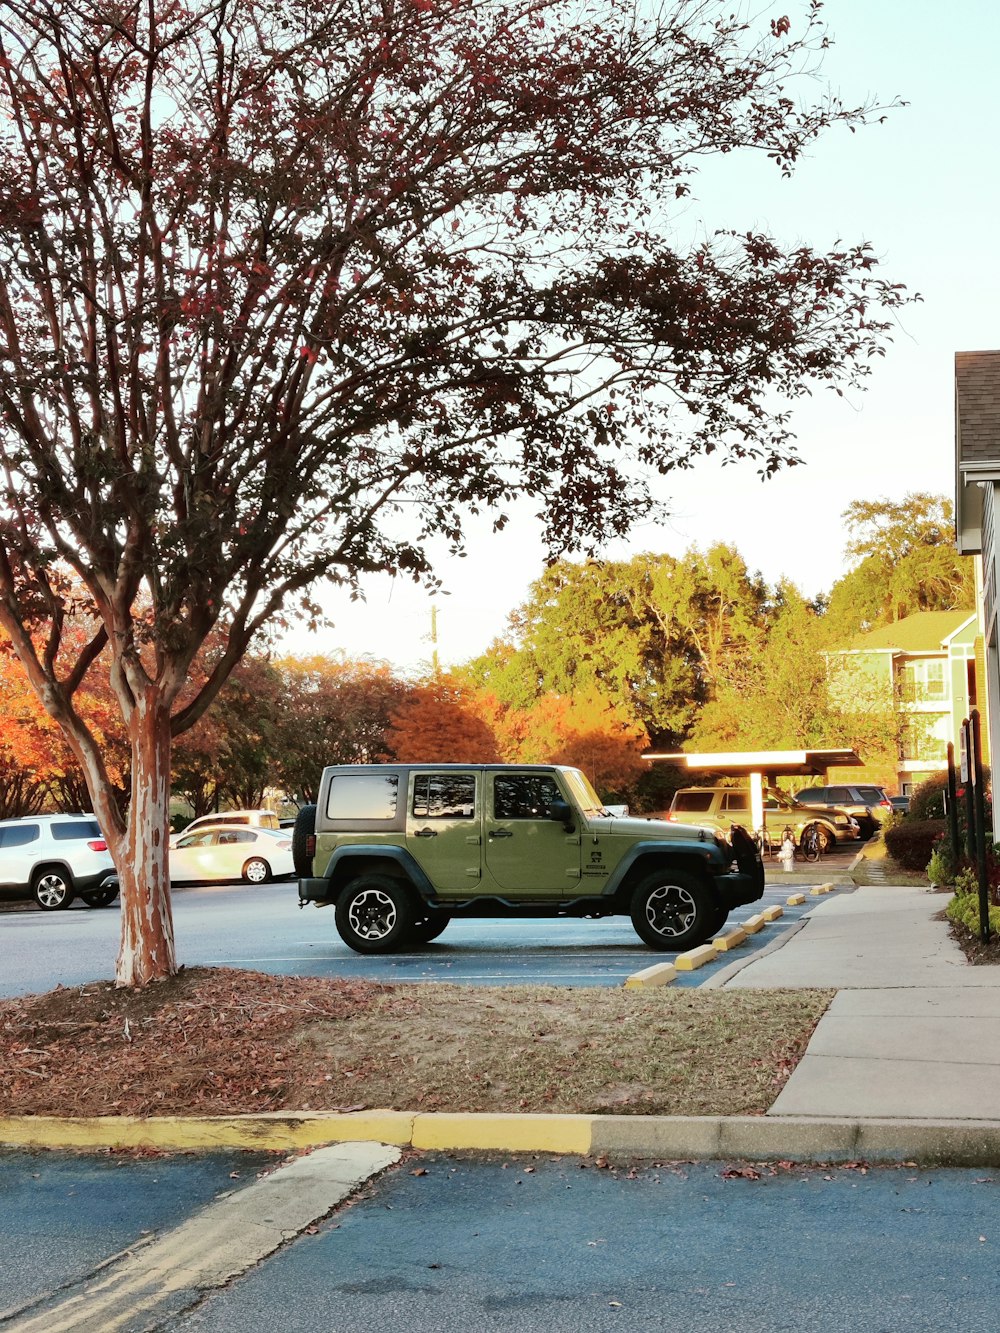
(672, 910)
(374, 914)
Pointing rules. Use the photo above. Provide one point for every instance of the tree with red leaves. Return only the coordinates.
(287, 288)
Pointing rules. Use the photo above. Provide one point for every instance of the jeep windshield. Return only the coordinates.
(584, 795)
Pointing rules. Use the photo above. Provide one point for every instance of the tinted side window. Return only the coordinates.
(736, 800)
(523, 796)
(444, 796)
(363, 796)
(78, 828)
(18, 835)
(871, 795)
(839, 796)
(695, 801)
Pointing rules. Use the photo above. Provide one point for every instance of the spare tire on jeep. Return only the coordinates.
(304, 841)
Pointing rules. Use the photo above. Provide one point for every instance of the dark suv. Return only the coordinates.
(869, 805)
(55, 858)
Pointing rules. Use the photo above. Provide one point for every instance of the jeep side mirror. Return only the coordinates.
(562, 813)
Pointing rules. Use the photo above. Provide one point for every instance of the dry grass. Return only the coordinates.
(212, 1041)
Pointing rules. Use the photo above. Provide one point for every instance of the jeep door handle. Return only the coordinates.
(501, 833)
(425, 833)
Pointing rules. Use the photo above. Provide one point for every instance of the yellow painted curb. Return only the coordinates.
(732, 939)
(660, 974)
(753, 924)
(772, 913)
(275, 1131)
(796, 900)
(504, 1133)
(694, 958)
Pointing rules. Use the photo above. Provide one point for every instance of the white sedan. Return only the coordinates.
(227, 853)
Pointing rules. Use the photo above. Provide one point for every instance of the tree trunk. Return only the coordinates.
(147, 942)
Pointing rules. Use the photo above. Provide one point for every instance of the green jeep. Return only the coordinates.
(398, 850)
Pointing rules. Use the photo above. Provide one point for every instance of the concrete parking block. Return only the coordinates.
(820, 889)
(772, 913)
(796, 900)
(660, 974)
(694, 958)
(730, 939)
(754, 923)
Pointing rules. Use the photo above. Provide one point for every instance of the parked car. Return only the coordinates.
(399, 850)
(227, 852)
(244, 818)
(869, 805)
(54, 859)
(901, 804)
(721, 807)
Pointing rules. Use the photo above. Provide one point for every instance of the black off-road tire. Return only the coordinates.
(718, 920)
(673, 910)
(375, 914)
(305, 828)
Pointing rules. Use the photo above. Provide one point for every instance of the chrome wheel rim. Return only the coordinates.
(51, 891)
(372, 914)
(256, 872)
(671, 911)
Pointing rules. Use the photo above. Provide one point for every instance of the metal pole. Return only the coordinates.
(952, 811)
(984, 872)
(970, 809)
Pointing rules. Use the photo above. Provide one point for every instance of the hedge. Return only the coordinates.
(911, 842)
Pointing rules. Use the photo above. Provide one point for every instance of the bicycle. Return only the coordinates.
(810, 845)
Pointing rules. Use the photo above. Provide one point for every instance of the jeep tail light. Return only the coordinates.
(311, 846)
(97, 845)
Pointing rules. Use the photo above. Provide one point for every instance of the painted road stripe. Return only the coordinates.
(170, 1274)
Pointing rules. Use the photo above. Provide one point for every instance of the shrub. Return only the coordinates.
(927, 800)
(941, 867)
(964, 910)
(913, 842)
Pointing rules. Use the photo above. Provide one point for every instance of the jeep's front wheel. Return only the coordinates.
(374, 914)
(672, 910)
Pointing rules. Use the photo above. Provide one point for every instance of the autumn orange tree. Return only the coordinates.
(435, 724)
(287, 288)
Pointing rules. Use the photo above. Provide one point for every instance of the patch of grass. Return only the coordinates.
(215, 1041)
(878, 867)
(533, 1048)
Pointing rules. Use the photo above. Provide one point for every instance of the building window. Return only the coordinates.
(923, 681)
(970, 681)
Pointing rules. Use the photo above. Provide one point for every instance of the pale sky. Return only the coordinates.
(924, 189)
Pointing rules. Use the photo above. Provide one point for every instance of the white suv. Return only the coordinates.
(55, 858)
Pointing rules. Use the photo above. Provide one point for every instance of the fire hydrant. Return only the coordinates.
(786, 852)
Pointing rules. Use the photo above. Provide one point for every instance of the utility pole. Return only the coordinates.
(435, 660)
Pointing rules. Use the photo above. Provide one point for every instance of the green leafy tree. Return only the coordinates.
(652, 636)
(273, 272)
(904, 561)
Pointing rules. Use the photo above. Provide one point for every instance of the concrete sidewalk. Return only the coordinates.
(914, 1031)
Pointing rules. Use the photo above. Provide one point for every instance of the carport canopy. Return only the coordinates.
(758, 765)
